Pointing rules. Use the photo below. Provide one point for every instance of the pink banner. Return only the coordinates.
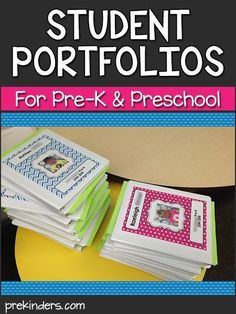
(117, 98)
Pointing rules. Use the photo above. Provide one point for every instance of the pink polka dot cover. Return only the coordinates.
(166, 220)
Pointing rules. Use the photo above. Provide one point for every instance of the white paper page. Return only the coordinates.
(28, 207)
(39, 223)
(61, 240)
(155, 264)
(154, 254)
(195, 269)
(160, 273)
(33, 204)
(40, 218)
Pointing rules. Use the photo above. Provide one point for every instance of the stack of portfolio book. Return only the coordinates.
(56, 188)
(165, 232)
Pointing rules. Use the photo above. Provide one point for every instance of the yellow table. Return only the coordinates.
(41, 259)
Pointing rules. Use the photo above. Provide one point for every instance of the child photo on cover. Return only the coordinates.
(53, 163)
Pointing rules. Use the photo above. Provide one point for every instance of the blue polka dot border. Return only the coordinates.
(226, 288)
(119, 119)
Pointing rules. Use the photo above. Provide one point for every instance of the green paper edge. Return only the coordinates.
(92, 199)
(79, 224)
(84, 228)
(87, 223)
(85, 193)
(87, 205)
(214, 244)
(114, 216)
(8, 151)
(99, 220)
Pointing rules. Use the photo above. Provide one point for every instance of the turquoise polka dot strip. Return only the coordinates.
(128, 119)
(226, 288)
